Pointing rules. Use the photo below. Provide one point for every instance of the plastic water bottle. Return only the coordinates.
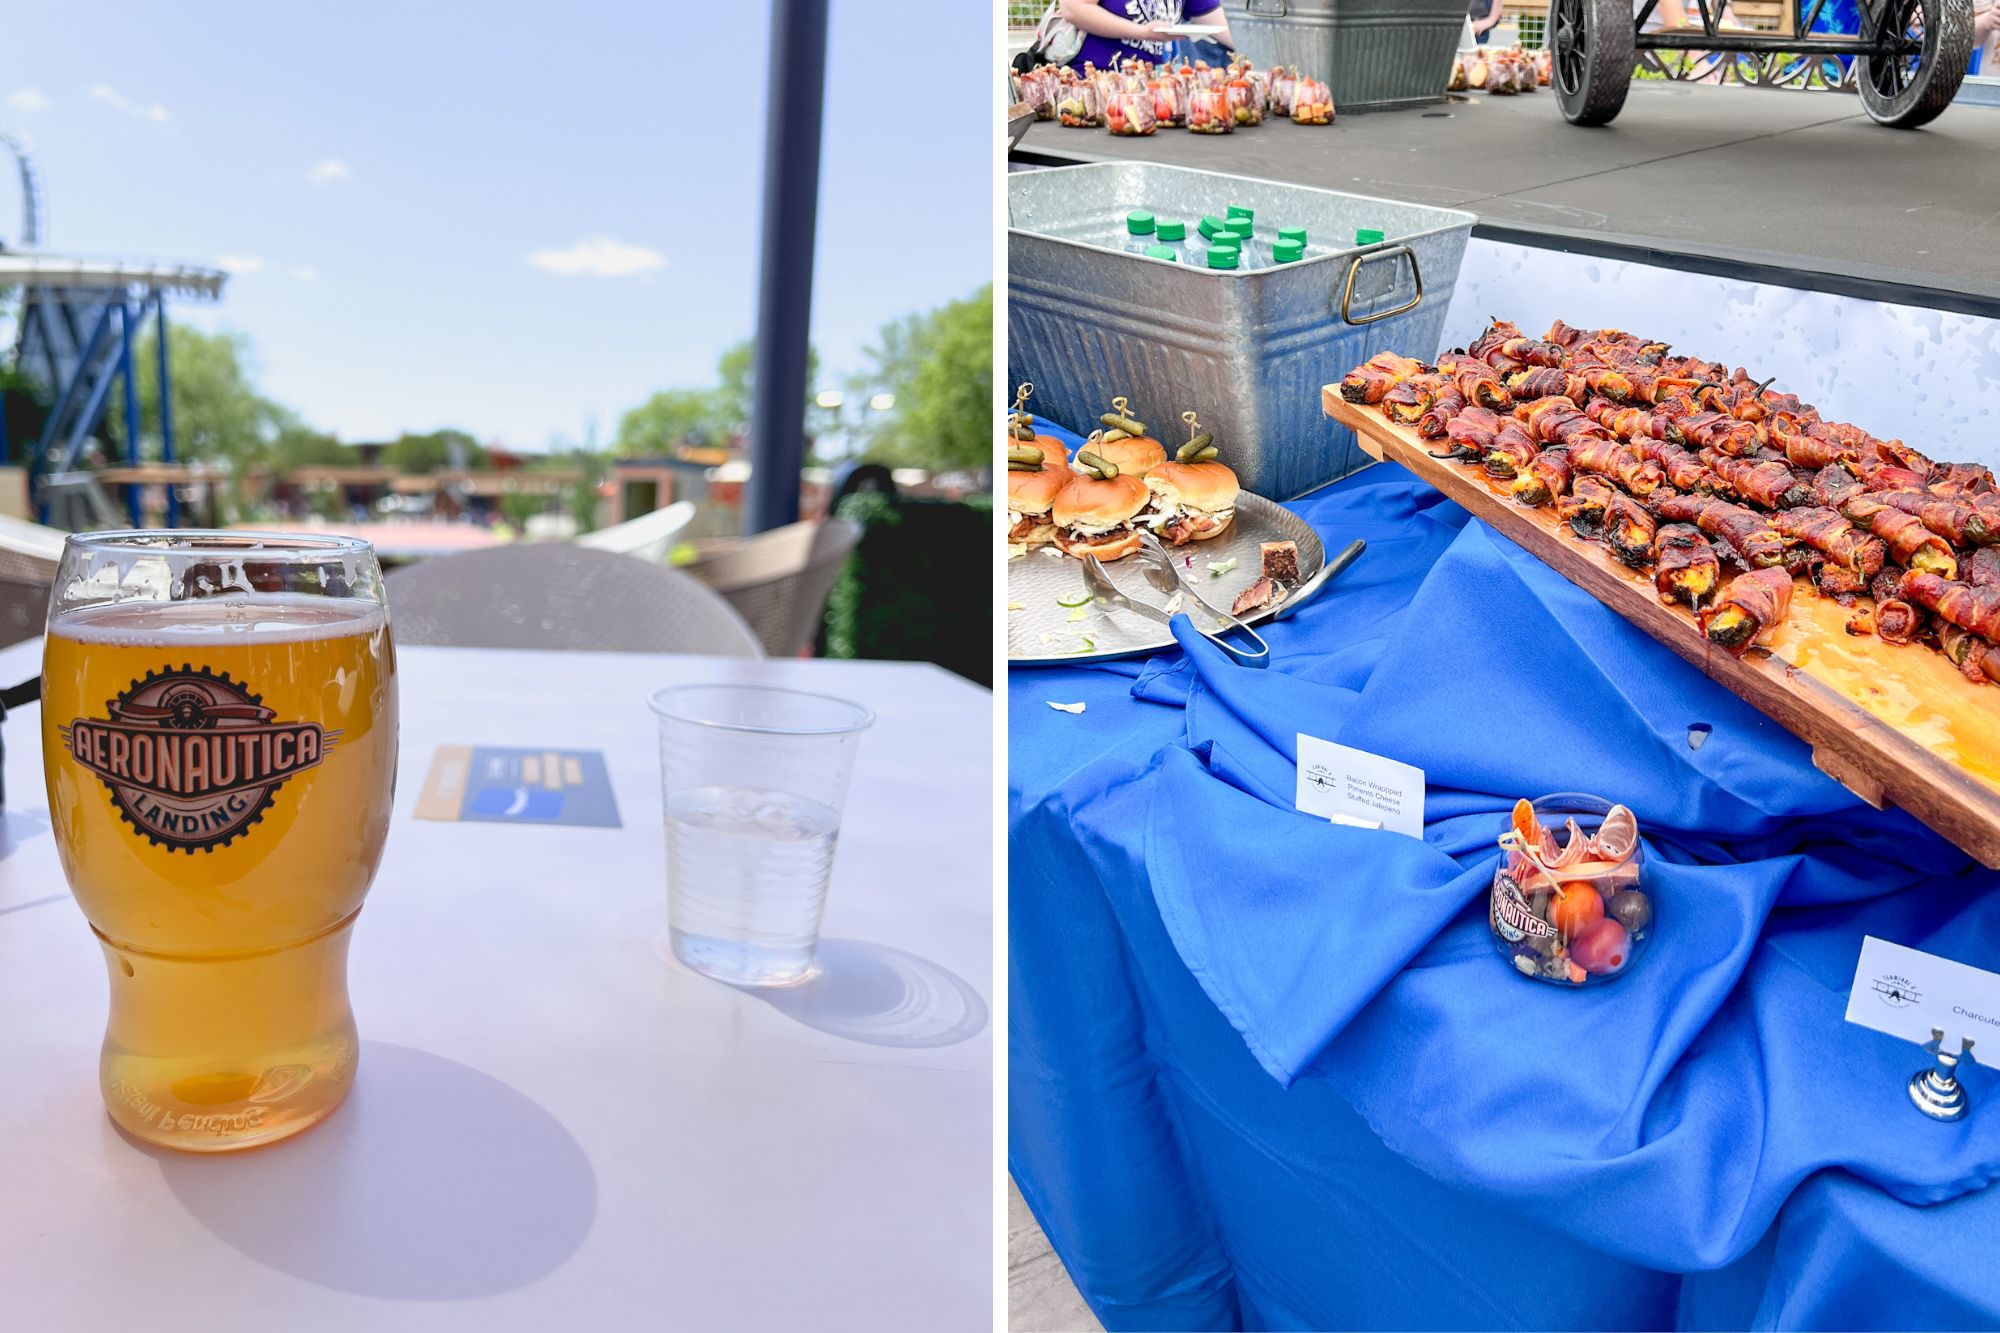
(1246, 245)
(1139, 231)
(1288, 252)
(1293, 234)
(1171, 234)
(1222, 256)
(1162, 252)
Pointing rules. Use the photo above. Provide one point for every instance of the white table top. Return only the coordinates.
(554, 1125)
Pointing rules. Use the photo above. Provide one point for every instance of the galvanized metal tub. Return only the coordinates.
(1374, 54)
(1248, 350)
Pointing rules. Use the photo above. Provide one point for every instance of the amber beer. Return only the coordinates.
(220, 773)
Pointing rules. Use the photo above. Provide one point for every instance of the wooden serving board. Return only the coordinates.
(1896, 725)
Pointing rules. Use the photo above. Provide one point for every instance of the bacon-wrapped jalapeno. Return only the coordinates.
(1369, 383)
(1718, 431)
(1546, 382)
(1409, 399)
(1767, 482)
(1748, 533)
(1448, 404)
(1750, 608)
(1589, 499)
(1833, 486)
(1910, 543)
(1534, 352)
(1685, 567)
(1833, 537)
(1612, 457)
(1511, 452)
(1896, 621)
(1684, 470)
(1470, 434)
(1966, 605)
(1958, 521)
(1548, 478)
(1837, 581)
(1629, 530)
(1970, 654)
(1961, 479)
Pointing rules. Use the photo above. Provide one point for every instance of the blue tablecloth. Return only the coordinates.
(1267, 1071)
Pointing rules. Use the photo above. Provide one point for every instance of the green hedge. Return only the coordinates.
(918, 587)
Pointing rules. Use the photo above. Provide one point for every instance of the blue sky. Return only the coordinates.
(505, 217)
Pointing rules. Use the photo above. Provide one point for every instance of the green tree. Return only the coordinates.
(219, 417)
(299, 445)
(421, 455)
(939, 366)
(669, 418)
(737, 370)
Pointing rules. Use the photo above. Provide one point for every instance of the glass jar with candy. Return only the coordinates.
(1569, 903)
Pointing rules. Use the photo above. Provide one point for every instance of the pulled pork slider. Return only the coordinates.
(1192, 502)
(1136, 455)
(1094, 517)
(1030, 495)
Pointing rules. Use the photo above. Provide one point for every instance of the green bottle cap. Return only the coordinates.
(1292, 234)
(1211, 227)
(1222, 256)
(1367, 236)
(1288, 252)
(1139, 222)
(1160, 252)
(1237, 227)
(1172, 229)
(1239, 211)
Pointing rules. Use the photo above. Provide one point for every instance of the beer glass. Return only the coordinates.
(219, 735)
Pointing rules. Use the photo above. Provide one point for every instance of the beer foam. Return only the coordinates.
(282, 618)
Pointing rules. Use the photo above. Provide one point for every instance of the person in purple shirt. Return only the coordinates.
(1115, 30)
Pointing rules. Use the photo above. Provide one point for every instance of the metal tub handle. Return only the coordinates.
(1354, 268)
(1267, 9)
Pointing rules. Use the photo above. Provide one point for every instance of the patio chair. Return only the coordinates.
(649, 536)
(566, 597)
(28, 556)
(780, 579)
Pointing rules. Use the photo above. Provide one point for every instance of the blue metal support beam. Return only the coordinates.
(784, 293)
(127, 322)
(93, 409)
(92, 347)
(166, 408)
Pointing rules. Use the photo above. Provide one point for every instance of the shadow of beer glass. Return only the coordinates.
(433, 1182)
(881, 995)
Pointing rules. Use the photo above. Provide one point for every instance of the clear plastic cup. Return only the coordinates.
(753, 780)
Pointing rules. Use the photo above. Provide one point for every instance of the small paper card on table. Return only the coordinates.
(1360, 789)
(1906, 993)
(492, 784)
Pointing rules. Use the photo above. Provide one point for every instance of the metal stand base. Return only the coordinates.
(1936, 1091)
(1940, 1099)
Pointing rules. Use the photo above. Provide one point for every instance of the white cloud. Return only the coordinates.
(599, 257)
(306, 272)
(326, 172)
(28, 99)
(111, 97)
(240, 264)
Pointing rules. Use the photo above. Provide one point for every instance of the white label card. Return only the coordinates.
(1354, 787)
(1906, 992)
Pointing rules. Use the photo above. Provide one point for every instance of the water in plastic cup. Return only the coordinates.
(754, 779)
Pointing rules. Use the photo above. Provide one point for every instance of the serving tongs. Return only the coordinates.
(1158, 569)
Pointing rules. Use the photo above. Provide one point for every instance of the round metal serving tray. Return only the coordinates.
(1041, 633)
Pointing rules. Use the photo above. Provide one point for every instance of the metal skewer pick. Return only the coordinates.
(1937, 1091)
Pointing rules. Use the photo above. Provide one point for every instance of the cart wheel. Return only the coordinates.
(1909, 88)
(1591, 64)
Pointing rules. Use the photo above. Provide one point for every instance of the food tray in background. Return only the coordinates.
(1896, 725)
(1036, 580)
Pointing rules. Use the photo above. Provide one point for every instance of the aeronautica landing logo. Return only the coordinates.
(191, 757)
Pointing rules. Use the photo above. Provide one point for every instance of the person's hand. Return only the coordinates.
(1157, 30)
